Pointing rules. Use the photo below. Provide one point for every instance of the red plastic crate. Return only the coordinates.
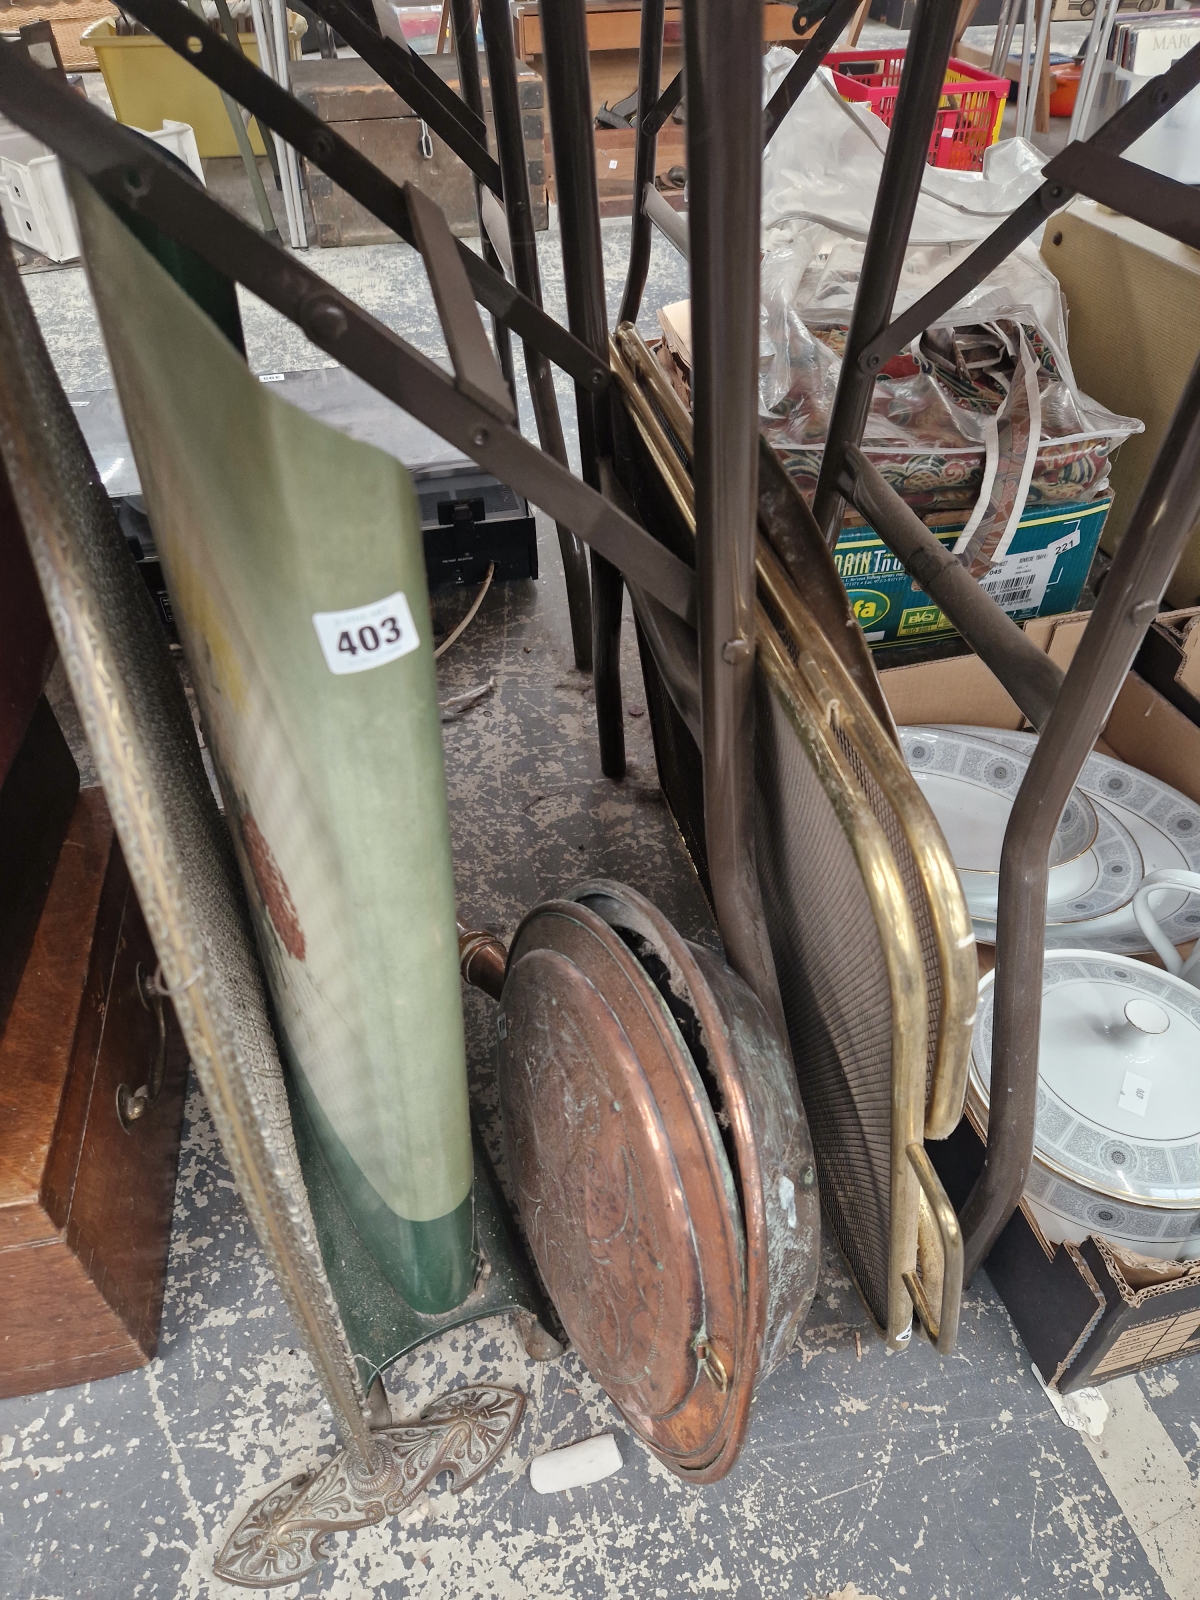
(969, 115)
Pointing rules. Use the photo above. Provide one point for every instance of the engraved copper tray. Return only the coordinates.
(662, 1166)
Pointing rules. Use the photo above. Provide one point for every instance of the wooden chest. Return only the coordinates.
(85, 1206)
(385, 129)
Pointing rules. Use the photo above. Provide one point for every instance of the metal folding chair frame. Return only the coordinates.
(1070, 709)
(473, 408)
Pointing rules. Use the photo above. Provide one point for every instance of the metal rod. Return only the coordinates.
(1040, 82)
(1039, 50)
(664, 106)
(1027, 673)
(569, 100)
(672, 224)
(1152, 101)
(242, 133)
(518, 211)
(462, 18)
(1097, 47)
(1166, 512)
(277, 10)
(476, 370)
(891, 221)
(644, 157)
(723, 66)
(800, 74)
(1135, 191)
(1006, 27)
(266, 58)
(1025, 89)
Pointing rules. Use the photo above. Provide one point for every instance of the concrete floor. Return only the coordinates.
(896, 1475)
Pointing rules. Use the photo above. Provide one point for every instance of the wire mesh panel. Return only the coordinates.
(833, 978)
(916, 843)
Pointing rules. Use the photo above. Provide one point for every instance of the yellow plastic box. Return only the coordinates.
(149, 84)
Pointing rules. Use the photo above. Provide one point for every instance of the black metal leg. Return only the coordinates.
(501, 337)
(462, 21)
(608, 594)
(518, 211)
(1166, 513)
(649, 73)
(899, 185)
(569, 99)
(723, 66)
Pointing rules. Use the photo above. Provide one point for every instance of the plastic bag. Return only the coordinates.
(951, 416)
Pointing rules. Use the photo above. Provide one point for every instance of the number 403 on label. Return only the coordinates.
(368, 636)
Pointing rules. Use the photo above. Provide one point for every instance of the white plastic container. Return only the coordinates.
(33, 197)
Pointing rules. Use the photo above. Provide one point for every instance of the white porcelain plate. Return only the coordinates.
(971, 783)
(1117, 1145)
(1164, 824)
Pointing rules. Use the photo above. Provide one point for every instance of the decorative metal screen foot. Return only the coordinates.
(286, 1533)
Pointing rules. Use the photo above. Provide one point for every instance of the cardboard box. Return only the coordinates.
(1078, 1315)
(1170, 659)
(1082, 1321)
(1133, 337)
(1042, 575)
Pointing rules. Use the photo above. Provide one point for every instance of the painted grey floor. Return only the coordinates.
(904, 1475)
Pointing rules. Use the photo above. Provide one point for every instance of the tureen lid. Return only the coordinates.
(1118, 1103)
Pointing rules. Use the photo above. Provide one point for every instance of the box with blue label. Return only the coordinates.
(1041, 575)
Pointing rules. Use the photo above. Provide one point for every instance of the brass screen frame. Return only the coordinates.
(819, 694)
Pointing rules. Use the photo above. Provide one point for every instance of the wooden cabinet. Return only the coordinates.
(385, 129)
(85, 1206)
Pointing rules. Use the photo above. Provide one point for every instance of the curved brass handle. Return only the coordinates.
(710, 1362)
(132, 1104)
(943, 1329)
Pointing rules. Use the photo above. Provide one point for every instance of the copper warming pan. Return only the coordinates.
(662, 1164)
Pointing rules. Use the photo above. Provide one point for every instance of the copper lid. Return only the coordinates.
(624, 1180)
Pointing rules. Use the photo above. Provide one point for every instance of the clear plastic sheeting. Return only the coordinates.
(959, 405)
(824, 164)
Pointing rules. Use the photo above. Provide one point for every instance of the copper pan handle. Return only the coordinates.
(482, 959)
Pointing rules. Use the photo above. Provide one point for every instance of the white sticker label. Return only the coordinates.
(1135, 1094)
(270, 377)
(1016, 583)
(612, 166)
(368, 636)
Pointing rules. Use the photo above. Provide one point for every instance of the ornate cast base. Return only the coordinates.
(288, 1532)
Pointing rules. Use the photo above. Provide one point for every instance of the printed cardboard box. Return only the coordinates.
(1042, 574)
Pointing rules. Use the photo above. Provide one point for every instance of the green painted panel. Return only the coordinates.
(293, 559)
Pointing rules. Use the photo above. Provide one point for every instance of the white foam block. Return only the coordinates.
(574, 1465)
